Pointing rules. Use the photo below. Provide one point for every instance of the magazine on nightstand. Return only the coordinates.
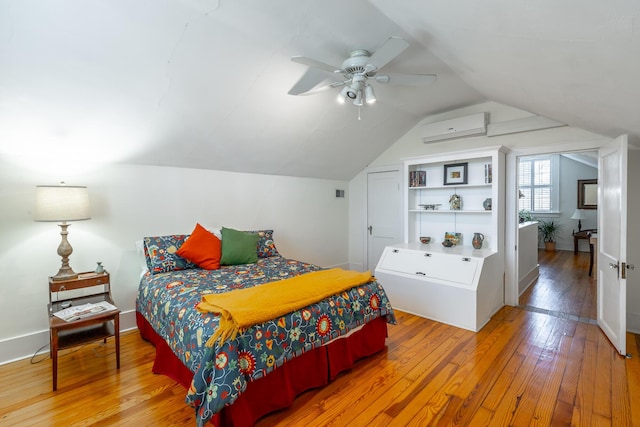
(85, 310)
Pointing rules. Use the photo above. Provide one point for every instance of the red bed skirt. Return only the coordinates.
(315, 368)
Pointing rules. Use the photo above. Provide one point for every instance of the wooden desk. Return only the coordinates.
(96, 327)
(581, 235)
(593, 243)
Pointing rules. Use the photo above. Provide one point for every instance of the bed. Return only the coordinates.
(263, 368)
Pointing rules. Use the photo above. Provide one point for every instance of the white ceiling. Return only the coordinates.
(203, 84)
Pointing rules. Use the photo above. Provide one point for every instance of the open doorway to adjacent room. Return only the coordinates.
(551, 188)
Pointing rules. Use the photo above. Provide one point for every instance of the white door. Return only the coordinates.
(612, 242)
(384, 214)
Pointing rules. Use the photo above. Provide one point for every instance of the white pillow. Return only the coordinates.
(215, 230)
(141, 259)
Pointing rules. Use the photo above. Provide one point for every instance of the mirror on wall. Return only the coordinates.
(587, 194)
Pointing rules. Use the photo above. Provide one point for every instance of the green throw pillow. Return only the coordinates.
(238, 247)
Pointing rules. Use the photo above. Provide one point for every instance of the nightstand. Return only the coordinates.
(89, 287)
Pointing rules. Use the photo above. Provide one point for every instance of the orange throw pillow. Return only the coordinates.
(202, 248)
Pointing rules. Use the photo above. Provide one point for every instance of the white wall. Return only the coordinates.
(411, 145)
(130, 202)
(570, 172)
(357, 234)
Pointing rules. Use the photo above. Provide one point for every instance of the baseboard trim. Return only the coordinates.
(528, 279)
(28, 345)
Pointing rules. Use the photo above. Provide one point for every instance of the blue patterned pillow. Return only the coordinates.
(266, 246)
(160, 252)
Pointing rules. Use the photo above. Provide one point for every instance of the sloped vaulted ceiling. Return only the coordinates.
(203, 84)
(575, 61)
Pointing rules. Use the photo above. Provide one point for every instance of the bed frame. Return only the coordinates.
(315, 368)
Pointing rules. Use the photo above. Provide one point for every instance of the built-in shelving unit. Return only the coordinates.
(483, 181)
(460, 285)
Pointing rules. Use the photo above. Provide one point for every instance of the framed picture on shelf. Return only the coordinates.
(455, 174)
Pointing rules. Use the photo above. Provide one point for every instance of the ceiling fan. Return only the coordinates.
(357, 72)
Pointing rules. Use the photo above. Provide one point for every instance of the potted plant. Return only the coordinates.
(549, 231)
(525, 216)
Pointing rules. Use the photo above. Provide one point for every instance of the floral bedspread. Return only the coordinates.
(221, 373)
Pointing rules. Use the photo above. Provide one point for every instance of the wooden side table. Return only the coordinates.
(581, 235)
(593, 243)
(99, 326)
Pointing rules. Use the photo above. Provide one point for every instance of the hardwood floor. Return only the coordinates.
(523, 368)
(564, 287)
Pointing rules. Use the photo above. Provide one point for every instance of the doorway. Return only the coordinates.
(548, 189)
(384, 214)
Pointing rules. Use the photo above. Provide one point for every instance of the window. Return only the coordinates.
(538, 184)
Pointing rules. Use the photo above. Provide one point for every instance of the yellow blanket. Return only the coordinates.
(242, 308)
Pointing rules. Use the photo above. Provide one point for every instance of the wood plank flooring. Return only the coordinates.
(564, 286)
(523, 368)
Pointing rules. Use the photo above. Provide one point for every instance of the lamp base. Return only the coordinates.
(64, 250)
(65, 273)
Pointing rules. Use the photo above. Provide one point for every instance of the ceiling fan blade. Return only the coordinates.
(315, 64)
(323, 88)
(310, 79)
(393, 47)
(407, 79)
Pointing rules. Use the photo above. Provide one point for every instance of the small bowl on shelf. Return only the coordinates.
(425, 240)
(447, 243)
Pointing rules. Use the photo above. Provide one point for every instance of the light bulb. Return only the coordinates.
(358, 101)
(370, 95)
(342, 96)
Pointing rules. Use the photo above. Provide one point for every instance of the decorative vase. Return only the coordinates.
(487, 204)
(478, 240)
(99, 268)
(455, 202)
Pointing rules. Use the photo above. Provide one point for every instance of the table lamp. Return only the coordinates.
(62, 203)
(579, 215)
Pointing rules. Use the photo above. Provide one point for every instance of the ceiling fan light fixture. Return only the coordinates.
(358, 101)
(357, 83)
(370, 95)
(342, 96)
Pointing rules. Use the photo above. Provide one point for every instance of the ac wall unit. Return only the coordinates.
(472, 125)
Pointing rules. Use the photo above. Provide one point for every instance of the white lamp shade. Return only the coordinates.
(370, 94)
(62, 203)
(343, 94)
(358, 101)
(578, 214)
